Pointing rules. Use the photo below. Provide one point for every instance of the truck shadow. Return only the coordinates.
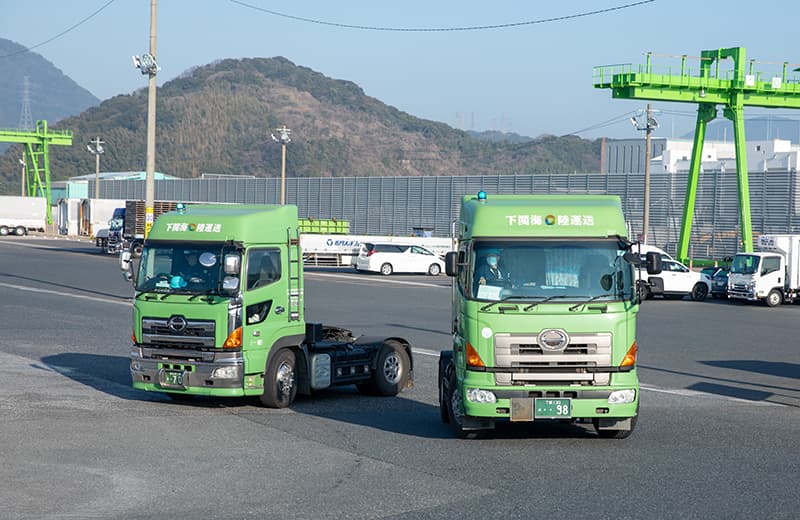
(771, 368)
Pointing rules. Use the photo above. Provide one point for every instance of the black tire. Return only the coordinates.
(387, 269)
(644, 291)
(20, 231)
(774, 298)
(280, 380)
(3, 231)
(445, 363)
(614, 434)
(434, 270)
(454, 408)
(699, 292)
(392, 369)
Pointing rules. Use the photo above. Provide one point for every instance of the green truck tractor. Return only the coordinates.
(544, 315)
(218, 311)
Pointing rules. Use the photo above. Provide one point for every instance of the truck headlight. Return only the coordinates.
(225, 372)
(622, 396)
(476, 395)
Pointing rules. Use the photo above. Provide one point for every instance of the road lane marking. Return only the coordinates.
(356, 280)
(59, 293)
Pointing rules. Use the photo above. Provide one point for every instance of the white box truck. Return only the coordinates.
(771, 274)
(18, 215)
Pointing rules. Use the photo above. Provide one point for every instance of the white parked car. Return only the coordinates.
(395, 258)
(675, 281)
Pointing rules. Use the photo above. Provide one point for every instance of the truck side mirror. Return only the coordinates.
(451, 263)
(126, 265)
(653, 262)
(232, 264)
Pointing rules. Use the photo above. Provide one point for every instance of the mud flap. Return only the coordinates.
(615, 424)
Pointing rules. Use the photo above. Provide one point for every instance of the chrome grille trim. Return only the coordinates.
(197, 334)
(538, 365)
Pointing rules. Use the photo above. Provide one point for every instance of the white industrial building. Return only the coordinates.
(674, 156)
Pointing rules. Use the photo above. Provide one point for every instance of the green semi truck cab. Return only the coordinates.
(219, 311)
(544, 314)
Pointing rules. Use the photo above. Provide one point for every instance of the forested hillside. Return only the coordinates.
(218, 119)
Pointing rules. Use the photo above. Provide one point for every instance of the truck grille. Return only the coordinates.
(531, 364)
(156, 332)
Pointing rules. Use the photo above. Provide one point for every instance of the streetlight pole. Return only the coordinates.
(283, 138)
(149, 202)
(24, 176)
(96, 150)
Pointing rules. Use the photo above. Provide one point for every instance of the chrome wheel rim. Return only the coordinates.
(285, 379)
(392, 368)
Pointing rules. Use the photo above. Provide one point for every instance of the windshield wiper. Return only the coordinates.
(593, 298)
(533, 305)
(512, 297)
(209, 292)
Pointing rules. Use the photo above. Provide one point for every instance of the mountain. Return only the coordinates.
(53, 95)
(218, 119)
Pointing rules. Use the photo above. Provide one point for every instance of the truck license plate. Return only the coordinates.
(171, 378)
(552, 408)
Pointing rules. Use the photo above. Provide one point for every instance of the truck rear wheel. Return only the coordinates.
(20, 231)
(3, 231)
(774, 298)
(280, 381)
(392, 367)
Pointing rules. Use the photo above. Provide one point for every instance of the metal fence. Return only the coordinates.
(397, 205)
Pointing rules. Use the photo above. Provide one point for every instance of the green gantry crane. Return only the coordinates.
(36, 158)
(733, 88)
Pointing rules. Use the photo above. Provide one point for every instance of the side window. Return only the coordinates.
(420, 251)
(263, 267)
(771, 264)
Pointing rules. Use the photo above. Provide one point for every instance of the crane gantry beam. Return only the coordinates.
(36, 157)
(711, 85)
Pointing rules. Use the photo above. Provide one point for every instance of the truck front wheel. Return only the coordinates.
(280, 381)
(774, 298)
(455, 408)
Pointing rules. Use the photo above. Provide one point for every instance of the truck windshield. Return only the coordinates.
(744, 264)
(173, 268)
(549, 269)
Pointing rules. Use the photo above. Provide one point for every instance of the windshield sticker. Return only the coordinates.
(550, 220)
(202, 228)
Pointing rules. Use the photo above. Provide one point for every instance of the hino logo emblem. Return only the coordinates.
(553, 339)
(176, 323)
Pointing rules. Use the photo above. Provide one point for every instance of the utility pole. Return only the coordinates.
(96, 150)
(284, 138)
(648, 130)
(650, 125)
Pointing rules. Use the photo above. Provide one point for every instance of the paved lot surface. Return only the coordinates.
(716, 436)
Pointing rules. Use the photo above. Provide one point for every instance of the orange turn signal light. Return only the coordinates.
(234, 339)
(473, 359)
(630, 357)
(133, 336)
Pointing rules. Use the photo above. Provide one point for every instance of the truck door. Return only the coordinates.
(771, 273)
(265, 298)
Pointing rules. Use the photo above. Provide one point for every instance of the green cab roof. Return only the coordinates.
(547, 216)
(250, 223)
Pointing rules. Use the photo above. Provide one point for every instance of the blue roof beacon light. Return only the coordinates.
(482, 196)
(180, 208)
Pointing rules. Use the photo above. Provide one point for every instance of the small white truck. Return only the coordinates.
(18, 215)
(771, 274)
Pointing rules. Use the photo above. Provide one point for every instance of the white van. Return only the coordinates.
(395, 258)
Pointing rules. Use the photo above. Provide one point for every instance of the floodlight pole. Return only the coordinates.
(149, 202)
(96, 151)
(283, 138)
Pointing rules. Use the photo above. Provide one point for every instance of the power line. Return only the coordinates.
(62, 33)
(443, 29)
(608, 122)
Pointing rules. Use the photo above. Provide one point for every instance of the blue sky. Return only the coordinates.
(530, 79)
